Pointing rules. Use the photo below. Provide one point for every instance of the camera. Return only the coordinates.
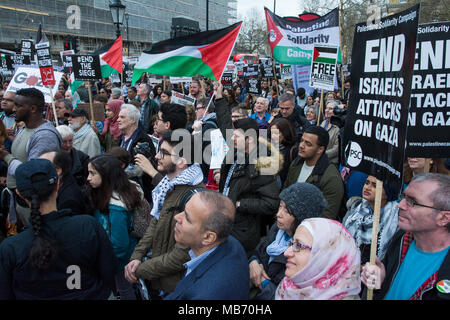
(144, 149)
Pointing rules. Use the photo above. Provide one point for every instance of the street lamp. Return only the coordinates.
(128, 34)
(117, 12)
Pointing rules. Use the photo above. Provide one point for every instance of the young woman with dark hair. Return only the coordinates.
(114, 198)
(61, 256)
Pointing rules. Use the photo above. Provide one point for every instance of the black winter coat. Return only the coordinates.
(84, 244)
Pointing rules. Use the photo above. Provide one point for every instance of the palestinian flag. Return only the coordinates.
(111, 57)
(325, 54)
(205, 53)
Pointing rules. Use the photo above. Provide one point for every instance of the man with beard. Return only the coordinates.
(38, 136)
(85, 138)
(164, 268)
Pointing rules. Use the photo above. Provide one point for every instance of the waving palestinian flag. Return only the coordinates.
(205, 53)
(111, 57)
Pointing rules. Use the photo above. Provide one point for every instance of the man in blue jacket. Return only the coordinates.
(218, 267)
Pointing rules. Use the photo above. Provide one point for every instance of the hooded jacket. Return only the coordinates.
(253, 185)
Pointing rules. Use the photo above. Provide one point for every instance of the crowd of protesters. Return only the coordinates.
(113, 209)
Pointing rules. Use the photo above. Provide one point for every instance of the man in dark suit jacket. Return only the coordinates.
(218, 268)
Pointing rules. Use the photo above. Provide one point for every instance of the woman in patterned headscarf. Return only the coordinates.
(323, 263)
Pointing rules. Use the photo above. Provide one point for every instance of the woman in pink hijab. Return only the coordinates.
(323, 263)
(111, 133)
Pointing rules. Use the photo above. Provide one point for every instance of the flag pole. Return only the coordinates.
(90, 101)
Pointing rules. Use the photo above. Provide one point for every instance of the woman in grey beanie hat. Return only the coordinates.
(267, 265)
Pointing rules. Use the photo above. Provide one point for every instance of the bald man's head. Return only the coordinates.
(221, 212)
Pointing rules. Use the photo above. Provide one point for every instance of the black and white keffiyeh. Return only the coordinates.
(359, 221)
(191, 176)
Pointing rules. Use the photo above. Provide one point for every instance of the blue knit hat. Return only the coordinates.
(304, 200)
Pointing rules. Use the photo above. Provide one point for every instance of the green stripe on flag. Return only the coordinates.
(107, 70)
(325, 60)
(177, 66)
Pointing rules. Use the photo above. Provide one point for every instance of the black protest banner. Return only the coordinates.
(266, 66)
(6, 63)
(67, 64)
(429, 113)
(86, 67)
(19, 60)
(253, 85)
(382, 67)
(127, 73)
(26, 47)
(251, 71)
(227, 80)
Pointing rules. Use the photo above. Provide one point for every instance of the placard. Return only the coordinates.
(429, 119)
(382, 68)
(227, 80)
(253, 86)
(266, 67)
(30, 77)
(99, 110)
(26, 48)
(182, 99)
(251, 71)
(219, 149)
(180, 79)
(86, 67)
(45, 63)
(286, 72)
(323, 67)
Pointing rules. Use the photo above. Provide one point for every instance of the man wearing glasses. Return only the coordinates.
(8, 116)
(417, 263)
(165, 267)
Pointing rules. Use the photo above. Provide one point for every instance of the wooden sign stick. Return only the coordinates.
(53, 105)
(375, 227)
(90, 102)
(426, 169)
(320, 108)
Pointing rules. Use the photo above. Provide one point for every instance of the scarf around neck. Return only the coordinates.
(191, 176)
(360, 220)
(83, 132)
(279, 245)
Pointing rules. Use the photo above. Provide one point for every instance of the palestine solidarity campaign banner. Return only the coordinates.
(429, 113)
(382, 68)
(292, 42)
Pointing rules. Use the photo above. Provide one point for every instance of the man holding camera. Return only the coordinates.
(136, 141)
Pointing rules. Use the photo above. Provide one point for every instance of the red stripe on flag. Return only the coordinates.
(216, 54)
(113, 56)
(316, 54)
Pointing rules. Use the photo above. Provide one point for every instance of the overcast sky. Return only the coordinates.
(283, 7)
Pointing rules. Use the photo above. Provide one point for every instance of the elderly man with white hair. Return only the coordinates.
(133, 136)
(79, 158)
(260, 112)
(85, 138)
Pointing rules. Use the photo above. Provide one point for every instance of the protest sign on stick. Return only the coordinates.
(87, 68)
(428, 120)
(382, 68)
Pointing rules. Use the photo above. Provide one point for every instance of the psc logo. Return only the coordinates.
(272, 35)
(353, 153)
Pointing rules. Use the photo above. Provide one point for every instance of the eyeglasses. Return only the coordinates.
(198, 108)
(165, 153)
(297, 246)
(410, 202)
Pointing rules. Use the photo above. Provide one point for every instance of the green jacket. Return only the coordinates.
(326, 177)
(165, 269)
(255, 189)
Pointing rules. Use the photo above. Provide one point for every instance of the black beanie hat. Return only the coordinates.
(304, 200)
